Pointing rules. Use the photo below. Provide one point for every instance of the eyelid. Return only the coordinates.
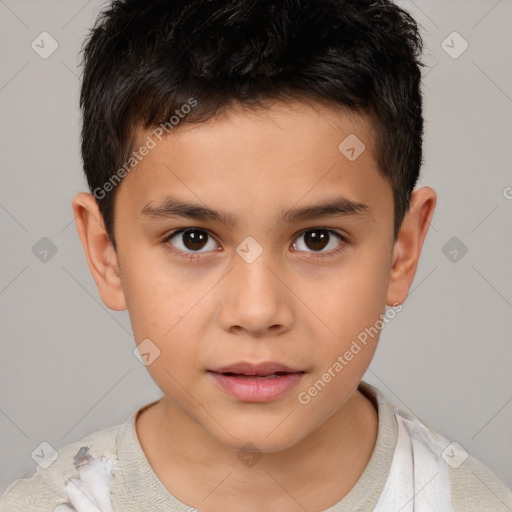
(199, 254)
(189, 257)
(168, 236)
(341, 234)
(333, 252)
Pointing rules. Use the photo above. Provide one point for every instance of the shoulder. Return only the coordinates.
(49, 486)
(475, 488)
(471, 485)
(429, 472)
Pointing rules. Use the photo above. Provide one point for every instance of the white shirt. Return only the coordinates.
(412, 469)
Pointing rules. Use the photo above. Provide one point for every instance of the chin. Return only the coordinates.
(262, 439)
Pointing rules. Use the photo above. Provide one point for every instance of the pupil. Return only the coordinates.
(316, 240)
(194, 239)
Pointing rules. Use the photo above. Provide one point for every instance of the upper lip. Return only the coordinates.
(260, 369)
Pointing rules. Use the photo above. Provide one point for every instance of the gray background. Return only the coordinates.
(67, 367)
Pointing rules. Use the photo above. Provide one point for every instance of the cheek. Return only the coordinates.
(156, 298)
(350, 308)
(353, 298)
(162, 310)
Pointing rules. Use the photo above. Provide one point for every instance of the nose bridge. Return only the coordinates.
(252, 272)
(256, 299)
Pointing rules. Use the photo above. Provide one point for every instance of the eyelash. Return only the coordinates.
(189, 257)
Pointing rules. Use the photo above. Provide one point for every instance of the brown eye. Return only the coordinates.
(318, 239)
(192, 239)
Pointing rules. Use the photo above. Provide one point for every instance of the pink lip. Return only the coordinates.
(246, 383)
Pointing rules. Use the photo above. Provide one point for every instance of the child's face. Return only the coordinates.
(300, 306)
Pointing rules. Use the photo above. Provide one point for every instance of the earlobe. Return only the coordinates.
(407, 249)
(99, 251)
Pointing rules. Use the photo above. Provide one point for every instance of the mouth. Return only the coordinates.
(244, 376)
(256, 383)
(264, 369)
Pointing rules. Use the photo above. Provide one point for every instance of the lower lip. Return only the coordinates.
(257, 390)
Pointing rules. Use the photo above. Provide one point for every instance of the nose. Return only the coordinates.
(254, 299)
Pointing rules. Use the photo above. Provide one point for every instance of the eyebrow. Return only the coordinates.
(174, 207)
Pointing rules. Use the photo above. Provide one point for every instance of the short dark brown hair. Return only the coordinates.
(145, 60)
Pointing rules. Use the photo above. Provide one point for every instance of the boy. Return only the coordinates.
(252, 167)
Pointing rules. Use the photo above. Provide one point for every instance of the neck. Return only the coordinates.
(315, 473)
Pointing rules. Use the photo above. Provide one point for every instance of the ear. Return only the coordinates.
(407, 248)
(99, 251)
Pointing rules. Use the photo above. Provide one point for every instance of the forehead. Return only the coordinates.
(257, 157)
(288, 119)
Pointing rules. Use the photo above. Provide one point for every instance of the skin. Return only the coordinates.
(286, 306)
